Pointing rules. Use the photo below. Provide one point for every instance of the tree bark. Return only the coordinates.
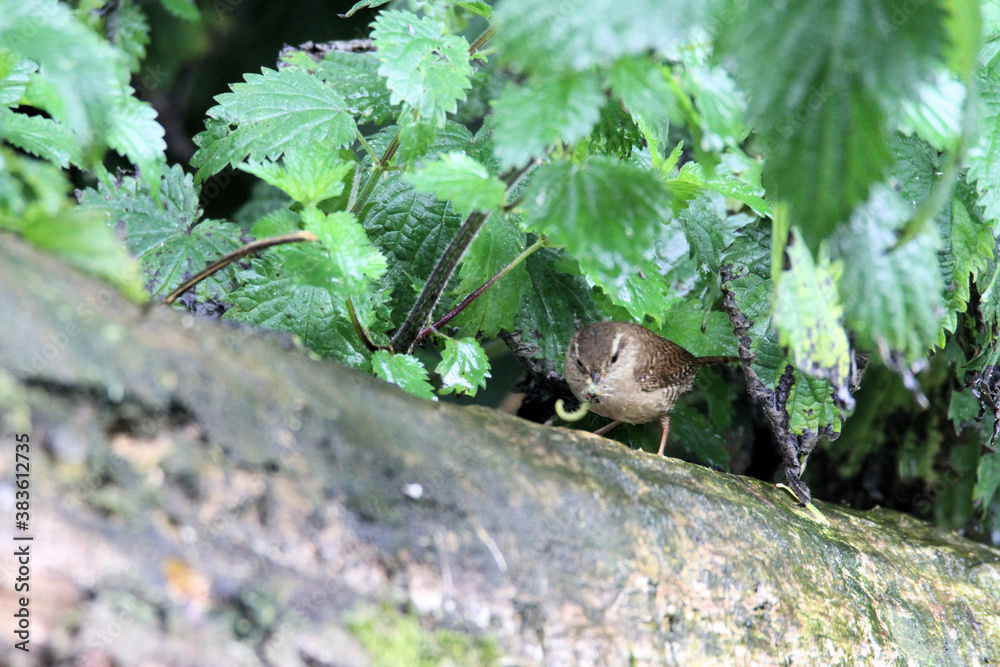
(201, 493)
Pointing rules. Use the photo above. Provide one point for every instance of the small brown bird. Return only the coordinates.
(628, 373)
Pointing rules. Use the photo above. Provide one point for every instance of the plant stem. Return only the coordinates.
(376, 174)
(406, 335)
(427, 331)
(221, 263)
(482, 40)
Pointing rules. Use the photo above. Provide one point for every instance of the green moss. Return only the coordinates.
(393, 638)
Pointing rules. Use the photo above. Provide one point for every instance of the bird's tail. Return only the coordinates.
(708, 361)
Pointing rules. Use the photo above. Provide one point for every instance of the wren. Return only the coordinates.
(630, 374)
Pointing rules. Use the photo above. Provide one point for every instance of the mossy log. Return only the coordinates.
(203, 494)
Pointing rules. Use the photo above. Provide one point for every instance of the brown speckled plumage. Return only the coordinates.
(629, 373)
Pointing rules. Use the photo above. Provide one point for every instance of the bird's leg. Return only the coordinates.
(665, 421)
(607, 427)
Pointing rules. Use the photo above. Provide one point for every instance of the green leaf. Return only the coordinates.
(890, 294)
(83, 239)
(708, 234)
(166, 235)
(270, 296)
(184, 9)
(355, 77)
(555, 305)
(457, 178)
(646, 293)
(477, 7)
(700, 333)
(532, 117)
(131, 33)
(965, 26)
(539, 35)
(271, 113)
(308, 176)
(411, 230)
(809, 316)
(80, 79)
(696, 435)
(989, 480)
(750, 259)
(820, 109)
(464, 367)
(936, 113)
(352, 257)
(496, 245)
(405, 371)
(35, 203)
(810, 407)
(642, 86)
(693, 174)
(604, 212)
(365, 4)
(14, 73)
(40, 136)
(983, 159)
(972, 244)
(423, 67)
(134, 132)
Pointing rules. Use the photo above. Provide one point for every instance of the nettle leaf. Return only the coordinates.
(184, 9)
(166, 235)
(355, 77)
(972, 244)
(707, 231)
(810, 407)
(83, 75)
(34, 204)
(537, 35)
(702, 333)
(819, 109)
(696, 435)
(134, 132)
(604, 212)
(40, 136)
(457, 178)
(718, 103)
(983, 159)
(131, 33)
(412, 230)
(645, 293)
(464, 367)
(555, 305)
(14, 73)
(404, 371)
(692, 177)
(642, 85)
(809, 316)
(890, 294)
(269, 114)
(423, 67)
(308, 176)
(936, 112)
(988, 480)
(272, 296)
(497, 244)
(80, 81)
(532, 117)
(750, 259)
(351, 256)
